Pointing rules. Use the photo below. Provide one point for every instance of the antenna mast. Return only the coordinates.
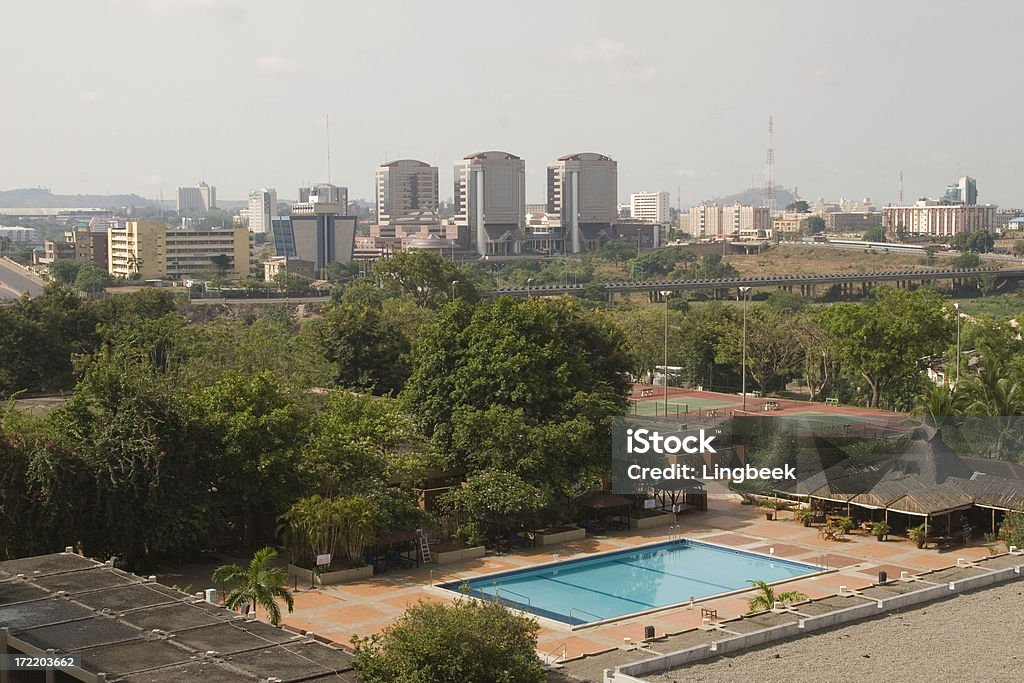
(769, 181)
(328, 120)
(901, 189)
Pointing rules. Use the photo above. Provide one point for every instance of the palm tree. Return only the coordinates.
(257, 585)
(767, 598)
(939, 402)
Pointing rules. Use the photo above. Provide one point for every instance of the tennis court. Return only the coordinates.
(677, 405)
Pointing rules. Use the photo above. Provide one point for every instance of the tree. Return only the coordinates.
(494, 496)
(257, 426)
(874, 234)
(882, 342)
(366, 347)
(551, 360)
(1018, 247)
(815, 225)
(978, 241)
(260, 585)
(64, 271)
(799, 206)
(466, 640)
(427, 278)
(967, 259)
(766, 599)
(617, 252)
(772, 357)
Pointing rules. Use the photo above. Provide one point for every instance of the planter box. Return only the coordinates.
(329, 578)
(577, 534)
(664, 519)
(453, 556)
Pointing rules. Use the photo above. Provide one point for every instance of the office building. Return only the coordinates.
(405, 187)
(708, 220)
(317, 231)
(490, 202)
(583, 193)
(196, 200)
(325, 193)
(86, 243)
(852, 221)
(934, 219)
(964, 192)
(262, 210)
(19, 234)
(150, 250)
(650, 207)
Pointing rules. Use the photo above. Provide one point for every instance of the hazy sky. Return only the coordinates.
(141, 95)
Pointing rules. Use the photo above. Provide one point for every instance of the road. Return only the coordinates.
(14, 281)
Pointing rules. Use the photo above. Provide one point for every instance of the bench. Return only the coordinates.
(831, 401)
(711, 614)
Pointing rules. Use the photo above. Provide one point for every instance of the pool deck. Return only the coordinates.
(365, 607)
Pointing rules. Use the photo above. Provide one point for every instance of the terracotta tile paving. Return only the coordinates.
(784, 550)
(403, 602)
(730, 539)
(774, 530)
(575, 646)
(892, 570)
(352, 614)
(310, 599)
(365, 588)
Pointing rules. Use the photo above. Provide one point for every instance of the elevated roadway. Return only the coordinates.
(901, 278)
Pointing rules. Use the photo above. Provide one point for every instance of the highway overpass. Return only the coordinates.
(16, 280)
(805, 284)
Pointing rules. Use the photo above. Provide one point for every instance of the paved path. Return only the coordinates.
(16, 280)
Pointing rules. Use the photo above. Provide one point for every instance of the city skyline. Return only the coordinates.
(857, 95)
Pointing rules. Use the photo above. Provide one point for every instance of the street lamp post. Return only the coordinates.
(454, 282)
(957, 307)
(529, 281)
(744, 291)
(664, 374)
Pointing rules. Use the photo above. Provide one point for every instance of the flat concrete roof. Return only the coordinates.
(133, 629)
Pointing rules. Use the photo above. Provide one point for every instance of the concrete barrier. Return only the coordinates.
(917, 597)
(755, 638)
(997, 576)
(667, 661)
(843, 616)
(619, 677)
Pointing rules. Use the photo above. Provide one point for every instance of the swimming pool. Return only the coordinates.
(617, 584)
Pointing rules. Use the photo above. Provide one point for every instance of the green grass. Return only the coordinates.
(1002, 305)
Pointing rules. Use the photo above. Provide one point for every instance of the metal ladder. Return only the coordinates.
(424, 546)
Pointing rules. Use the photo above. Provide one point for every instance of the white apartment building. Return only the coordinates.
(17, 233)
(938, 220)
(708, 220)
(650, 207)
(262, 210)
(196, 200)
(405, 187)
(490, 202)
(583, 193)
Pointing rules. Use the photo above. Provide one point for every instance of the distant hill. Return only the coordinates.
(41, 197)
(755, 197)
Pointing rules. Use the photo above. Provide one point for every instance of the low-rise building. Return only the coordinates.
(938, 220)
(19, 234)
(81, 243)
(283, 264)
(151, 250)
(852, 221)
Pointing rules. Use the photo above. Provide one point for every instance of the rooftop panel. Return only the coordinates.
(72, 636)
(122, 598)
(46, 564)
(29, 614)
(136, 655)
(177, 617)
(237, 636)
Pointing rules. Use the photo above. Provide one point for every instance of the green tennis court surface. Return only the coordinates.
(811, 419)
(676, 406)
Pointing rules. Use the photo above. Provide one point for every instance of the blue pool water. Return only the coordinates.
(615, 584)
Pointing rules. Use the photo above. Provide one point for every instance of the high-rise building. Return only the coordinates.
(490, 202)
(583, 193)
(262, 210)
(968, 190)
(405, 187)
(650, 207)
(151, 250)
(196, 200)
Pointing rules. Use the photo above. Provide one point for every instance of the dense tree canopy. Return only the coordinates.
(452, 643)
